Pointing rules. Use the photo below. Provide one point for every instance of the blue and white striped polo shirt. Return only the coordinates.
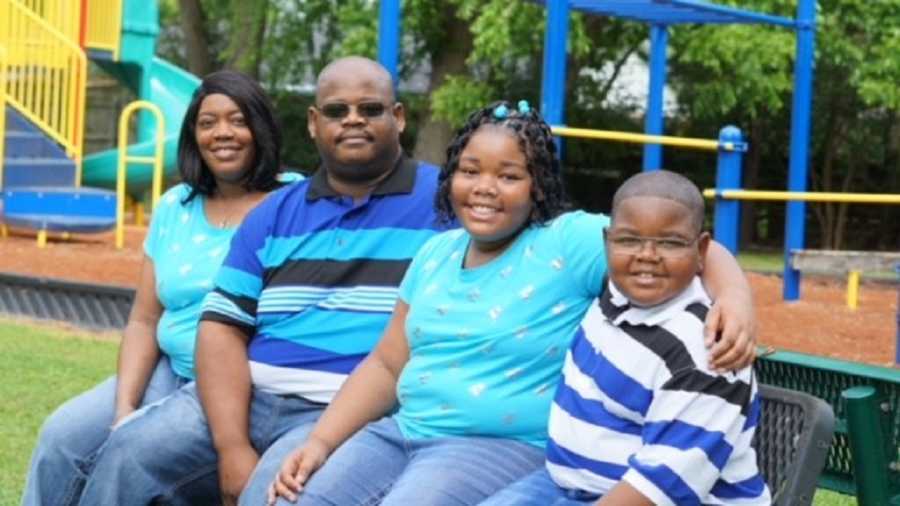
(312, 276)
(639, 403)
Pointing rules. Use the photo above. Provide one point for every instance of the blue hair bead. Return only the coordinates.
(524, 108)
(501, 112)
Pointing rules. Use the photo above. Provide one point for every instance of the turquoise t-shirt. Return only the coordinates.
(186, 251)
(487, 344)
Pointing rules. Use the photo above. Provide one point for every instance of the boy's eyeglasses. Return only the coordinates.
(663, 246)
(369, 110)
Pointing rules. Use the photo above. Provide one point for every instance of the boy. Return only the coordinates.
(639, 418)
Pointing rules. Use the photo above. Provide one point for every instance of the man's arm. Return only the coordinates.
(223, 382)
(730, 329)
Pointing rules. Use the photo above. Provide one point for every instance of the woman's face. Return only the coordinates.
(491, 187)
(224, 138)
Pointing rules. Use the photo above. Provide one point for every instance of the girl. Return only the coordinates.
(228, 159)
(474, 349)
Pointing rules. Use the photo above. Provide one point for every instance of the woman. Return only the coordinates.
(228, 158)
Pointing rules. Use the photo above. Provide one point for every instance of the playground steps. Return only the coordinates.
(39, 189)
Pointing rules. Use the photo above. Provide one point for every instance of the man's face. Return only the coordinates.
(356, 125)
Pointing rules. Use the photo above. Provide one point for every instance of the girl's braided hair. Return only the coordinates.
(548, 195)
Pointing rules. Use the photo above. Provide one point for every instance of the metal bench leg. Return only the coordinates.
(867, 445)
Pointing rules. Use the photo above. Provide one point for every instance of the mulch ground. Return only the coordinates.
(820, 323)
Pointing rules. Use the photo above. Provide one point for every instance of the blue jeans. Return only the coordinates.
(538, 489)
(380, 466)
(71, 436)
(165, 453)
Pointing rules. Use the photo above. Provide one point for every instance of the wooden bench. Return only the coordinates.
(851, 263)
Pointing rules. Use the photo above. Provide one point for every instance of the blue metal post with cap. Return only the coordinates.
(389, 36)
(727, 219)
(553, 93)
(653, 121)
(795, 220)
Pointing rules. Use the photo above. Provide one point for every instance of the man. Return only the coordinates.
(307, 288)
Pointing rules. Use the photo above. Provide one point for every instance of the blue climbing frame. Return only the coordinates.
(660, 14)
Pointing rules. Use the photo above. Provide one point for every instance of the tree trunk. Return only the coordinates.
(433, 135)
(751, 181)
(193, 22)
(248, 17)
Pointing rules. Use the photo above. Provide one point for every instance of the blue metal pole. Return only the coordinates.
(897, 345)
(389, 36)
(653, 122)
(795, 221)
(727, 219)
(553, 89)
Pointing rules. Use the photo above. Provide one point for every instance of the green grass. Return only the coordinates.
(761, 261)
(44, 366)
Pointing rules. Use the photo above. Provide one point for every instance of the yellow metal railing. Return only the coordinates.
(64, 15)
(124, 158)
(665, 140)
(850, 198)
(46, 75)
(104, 25)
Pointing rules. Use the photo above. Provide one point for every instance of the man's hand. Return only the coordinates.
(730, 333)
(296, 469)
(235, 467)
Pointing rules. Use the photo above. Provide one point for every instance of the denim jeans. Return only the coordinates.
(165, 453)
(538, 489)
(71, 436)
(380, 466)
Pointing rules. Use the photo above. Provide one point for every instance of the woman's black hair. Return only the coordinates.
(260, 118)
(548, 194)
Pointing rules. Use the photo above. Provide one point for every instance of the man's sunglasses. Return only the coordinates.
(339, 110)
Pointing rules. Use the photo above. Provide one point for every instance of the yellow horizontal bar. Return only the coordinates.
(665, 140)
(853, 198)
(141, 159)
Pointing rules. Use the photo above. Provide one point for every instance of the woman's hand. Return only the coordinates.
(730, 332)
(296, 469)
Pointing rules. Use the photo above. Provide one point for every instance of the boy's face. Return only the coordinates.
(653, 249)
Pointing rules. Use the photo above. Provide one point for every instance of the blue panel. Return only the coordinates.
(63, 209)
(38, 172)
(389, 36)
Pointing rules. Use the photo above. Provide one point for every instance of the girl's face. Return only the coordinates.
(491, 188)
(224, 138)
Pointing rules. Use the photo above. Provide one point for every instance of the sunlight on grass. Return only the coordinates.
(42, 367)
(829, 498)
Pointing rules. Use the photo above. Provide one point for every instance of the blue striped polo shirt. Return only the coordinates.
(638, 403)
(312, 276)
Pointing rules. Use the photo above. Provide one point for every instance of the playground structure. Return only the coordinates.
(44, 49)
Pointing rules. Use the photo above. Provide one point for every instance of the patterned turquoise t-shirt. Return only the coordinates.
(487, 344)
(186, 251)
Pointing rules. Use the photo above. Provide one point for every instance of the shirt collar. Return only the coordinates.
(618, 310)
(402, 179)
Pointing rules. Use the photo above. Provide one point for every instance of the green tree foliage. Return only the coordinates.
(476, 51)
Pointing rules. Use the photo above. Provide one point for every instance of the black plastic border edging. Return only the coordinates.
(94, 307)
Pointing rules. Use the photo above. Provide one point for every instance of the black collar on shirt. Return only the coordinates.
(402, 179)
